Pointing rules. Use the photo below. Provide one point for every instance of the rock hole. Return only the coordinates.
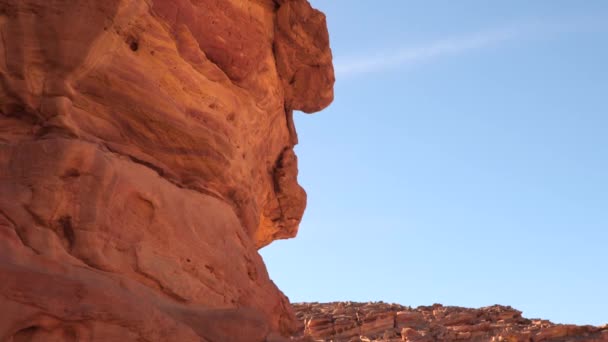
(26, 334)
(252, 272)
(134, 45)
(72, 173)
(67, 230)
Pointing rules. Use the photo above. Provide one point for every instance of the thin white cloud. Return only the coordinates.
(418, 54)
(406, 56)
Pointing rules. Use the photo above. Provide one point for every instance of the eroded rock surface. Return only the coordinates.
(378, 321)
(146, 154)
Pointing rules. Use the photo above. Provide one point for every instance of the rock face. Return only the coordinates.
(146, 154)
(348, 321)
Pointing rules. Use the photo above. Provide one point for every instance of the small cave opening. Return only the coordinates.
(134, 45)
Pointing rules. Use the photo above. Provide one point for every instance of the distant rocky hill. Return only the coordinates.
(378, 321)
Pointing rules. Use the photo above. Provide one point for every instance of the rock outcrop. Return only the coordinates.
(378, 321)
(146, 154)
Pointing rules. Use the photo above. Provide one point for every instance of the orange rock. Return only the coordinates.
(146, 154)
(409, 319)
(377, 323)
(409, 334)
(303, 59)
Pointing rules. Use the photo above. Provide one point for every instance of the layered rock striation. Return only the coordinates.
(378, 321)
(146, 154)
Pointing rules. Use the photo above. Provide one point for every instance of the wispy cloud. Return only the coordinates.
(408, 56)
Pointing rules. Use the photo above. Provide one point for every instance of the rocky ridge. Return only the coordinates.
(378, 321)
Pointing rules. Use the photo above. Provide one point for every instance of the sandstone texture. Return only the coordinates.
(146, 154)
(349, 321)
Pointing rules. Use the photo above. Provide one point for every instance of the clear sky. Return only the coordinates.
(464, 160)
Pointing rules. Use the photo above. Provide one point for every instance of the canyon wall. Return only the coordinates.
(146, 154)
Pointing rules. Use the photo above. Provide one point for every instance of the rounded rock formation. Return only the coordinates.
(146, 154)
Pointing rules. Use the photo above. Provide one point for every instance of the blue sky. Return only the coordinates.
(464, 160)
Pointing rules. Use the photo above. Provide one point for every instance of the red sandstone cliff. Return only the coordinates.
(146, 154)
